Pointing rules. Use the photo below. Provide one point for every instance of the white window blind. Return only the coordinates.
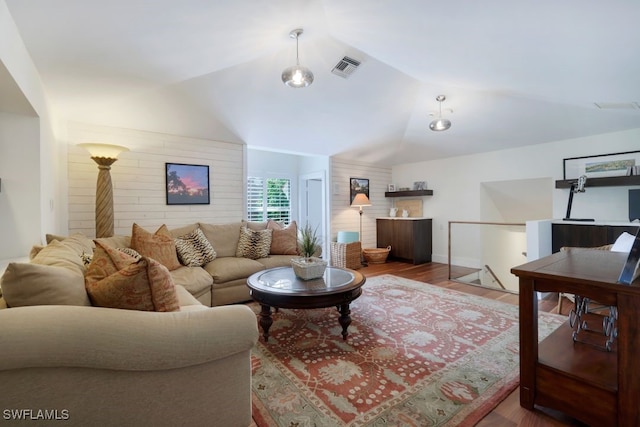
(269, 198)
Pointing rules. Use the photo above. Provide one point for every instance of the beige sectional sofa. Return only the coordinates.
(228, 273)
(224, 280)
(66, 361)
(93, 366)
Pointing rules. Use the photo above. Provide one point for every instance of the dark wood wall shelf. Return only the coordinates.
(408, 193)
(610, 181)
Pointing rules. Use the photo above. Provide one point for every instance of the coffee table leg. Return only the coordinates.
(265, 321)
(345, 319)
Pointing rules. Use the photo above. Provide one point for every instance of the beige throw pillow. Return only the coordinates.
(116, 280)
(25, 284)
(159, 245)
(284, 240)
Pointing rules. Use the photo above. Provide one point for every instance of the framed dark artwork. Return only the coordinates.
(187, 184)
(358, 185)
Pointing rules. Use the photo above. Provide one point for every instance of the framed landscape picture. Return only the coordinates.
(187, 184)
(602, 165)
(358, 185)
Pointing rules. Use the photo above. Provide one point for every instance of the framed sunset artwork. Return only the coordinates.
(187, 184)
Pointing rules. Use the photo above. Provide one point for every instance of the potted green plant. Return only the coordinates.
(309, 242)
(308, 266)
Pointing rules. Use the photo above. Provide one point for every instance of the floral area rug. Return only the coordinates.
(416, 355)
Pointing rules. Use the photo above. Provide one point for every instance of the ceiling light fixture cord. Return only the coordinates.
(440, 124)
(297, 75)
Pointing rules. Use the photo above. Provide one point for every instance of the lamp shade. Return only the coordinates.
(297, 76)
(361, 199)
(440, 124)
(97, 149)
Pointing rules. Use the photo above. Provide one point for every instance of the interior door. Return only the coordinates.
(313, 206)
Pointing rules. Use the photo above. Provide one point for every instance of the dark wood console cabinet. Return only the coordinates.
(585, 235)
(410, 239)
(597, 387)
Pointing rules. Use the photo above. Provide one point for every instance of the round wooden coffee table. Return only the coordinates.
(281, 288)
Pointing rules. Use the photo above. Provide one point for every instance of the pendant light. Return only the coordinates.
(440, 124)
(297, 75)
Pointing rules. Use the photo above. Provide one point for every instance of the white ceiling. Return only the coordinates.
(514, 72)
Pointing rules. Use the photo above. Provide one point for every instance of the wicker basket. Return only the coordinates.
(376, 255)
(308, 268)
(346, 255)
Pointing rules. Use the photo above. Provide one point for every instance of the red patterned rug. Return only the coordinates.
(416, 355)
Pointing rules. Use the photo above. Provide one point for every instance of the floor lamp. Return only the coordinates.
(359, 201)
(104, 155)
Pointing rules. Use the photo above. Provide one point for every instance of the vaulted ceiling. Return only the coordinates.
(514, 73)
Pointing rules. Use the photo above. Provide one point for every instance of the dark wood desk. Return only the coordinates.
(592, 385)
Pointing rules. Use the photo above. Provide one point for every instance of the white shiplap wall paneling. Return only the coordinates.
(344, 217)
(138, 179)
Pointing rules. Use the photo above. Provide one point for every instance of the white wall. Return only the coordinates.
(139, 179)
(456, 182)
(46, 164)
(346, 218)
(19, 190)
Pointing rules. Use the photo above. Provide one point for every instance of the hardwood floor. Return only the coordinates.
(508, 413)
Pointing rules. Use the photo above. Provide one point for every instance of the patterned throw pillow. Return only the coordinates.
(131, 252)
(284, 240)
(194, 250)
(116, 280)
(254, 244)
(159, 246)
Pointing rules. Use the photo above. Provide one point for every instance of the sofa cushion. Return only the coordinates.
(60, 254)
(255, 225)
(274, 261)
(159, 245)
(117, 241)
(284, 240)
(115, 280)
(194, 250)
(181, 231)
(223, 237)
(224, 269)
(78, 240)
(185, 298)
(193, 279)
(80, 243)
(35, 250)
(25, 284)
(254, 244)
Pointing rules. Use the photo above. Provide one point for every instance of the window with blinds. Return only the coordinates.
(269, 198)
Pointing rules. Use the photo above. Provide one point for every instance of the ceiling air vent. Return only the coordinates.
(617, 105)
(345, 67)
